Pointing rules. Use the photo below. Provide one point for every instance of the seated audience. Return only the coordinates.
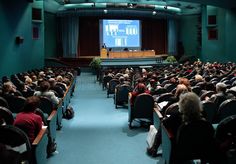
(180, 89)
(139, 89)
(190, 109)
(44, 91)
(220, 95)
(27, 120)
(56, 88)
(9, 90)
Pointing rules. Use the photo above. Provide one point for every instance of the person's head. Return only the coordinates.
(8, 87)
(190, 106)
(198, 78)
(44, 86)
(59, 78)
(221, 87)
(52, 82)
(28, 81)
(141, 88)
(31, 104)
(185, 82)
(41, 74)
(180, 89)
(121, 79)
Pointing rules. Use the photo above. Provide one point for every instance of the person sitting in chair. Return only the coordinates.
(139, 89)
(27, 120)
(190, 109)
(44, 91)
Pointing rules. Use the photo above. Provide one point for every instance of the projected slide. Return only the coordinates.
(121, 33)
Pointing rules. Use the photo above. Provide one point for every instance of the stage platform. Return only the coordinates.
(134, 62)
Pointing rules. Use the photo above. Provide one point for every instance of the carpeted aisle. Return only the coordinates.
(99, 133)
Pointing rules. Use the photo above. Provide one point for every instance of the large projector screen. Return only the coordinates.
(121, 33)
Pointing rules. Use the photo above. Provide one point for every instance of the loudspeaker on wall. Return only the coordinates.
(19, 40)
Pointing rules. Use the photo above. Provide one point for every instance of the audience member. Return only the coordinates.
(27, 120)
(140, 88)
(44, 91)
(190, 109)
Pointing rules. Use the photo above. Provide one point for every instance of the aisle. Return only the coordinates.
(98, 134)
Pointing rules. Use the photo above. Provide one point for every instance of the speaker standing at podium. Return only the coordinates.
(104, 52)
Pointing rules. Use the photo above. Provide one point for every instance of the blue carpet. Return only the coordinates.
(99, 133)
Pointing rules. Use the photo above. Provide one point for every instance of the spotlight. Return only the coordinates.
(154, 13)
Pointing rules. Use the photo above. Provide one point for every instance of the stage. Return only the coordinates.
(134, 62)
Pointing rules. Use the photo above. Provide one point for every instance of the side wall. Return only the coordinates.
(50, 38)
(16, 20)
(222, 49)
(188, 34)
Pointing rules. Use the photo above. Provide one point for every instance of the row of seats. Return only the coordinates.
(45, 142)
(143, 109)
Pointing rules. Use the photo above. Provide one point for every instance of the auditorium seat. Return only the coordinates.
(6, 116)
(111, 86)
(142, 109)
(25, 152)
(209, 111)
(225, 135)
(227, 108)
(164, 97)
(194, 140)
(121, 95)
(3, 102)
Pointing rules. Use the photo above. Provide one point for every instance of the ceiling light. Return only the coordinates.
(105, 11)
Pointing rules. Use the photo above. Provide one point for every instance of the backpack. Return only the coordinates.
(69, 113)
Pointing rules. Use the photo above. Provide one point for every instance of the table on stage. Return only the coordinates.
(127, 54)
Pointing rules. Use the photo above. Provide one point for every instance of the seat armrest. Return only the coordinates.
(40, 135)
(39, 147)
(157, 118)
(53, 114)
(158, 113)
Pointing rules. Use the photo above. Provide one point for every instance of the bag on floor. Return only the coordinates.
(69, 113)
(151, 136)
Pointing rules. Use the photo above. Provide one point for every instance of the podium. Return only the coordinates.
(103, 53)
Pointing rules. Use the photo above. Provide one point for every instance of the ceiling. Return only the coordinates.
(180, 7)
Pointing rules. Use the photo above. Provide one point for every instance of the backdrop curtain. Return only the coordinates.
(69, 36)
(172, 37)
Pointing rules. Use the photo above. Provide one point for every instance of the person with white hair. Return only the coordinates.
(221, 94)
(190, 108)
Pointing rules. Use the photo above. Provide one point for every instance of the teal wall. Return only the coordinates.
(188, 34)
(222, 49)
(50, 35)
(230, 35)
(14, 57)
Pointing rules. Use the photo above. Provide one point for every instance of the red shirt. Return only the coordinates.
(135, 94)
(30, 123)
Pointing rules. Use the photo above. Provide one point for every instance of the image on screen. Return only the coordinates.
(121, 33)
